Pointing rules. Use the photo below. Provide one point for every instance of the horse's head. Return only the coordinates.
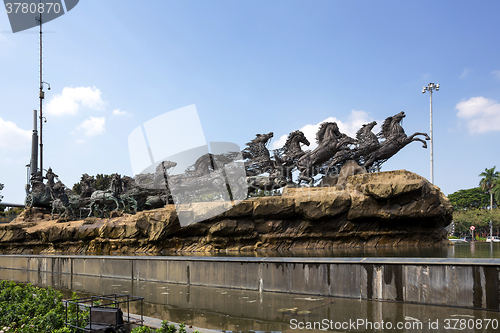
(302, 138)
(369, 126)
(365, 130)
(263, 138)
(297, 136)
(391, 125)
(325, 129)
(397, 118)
(168, 164)
(268, 136)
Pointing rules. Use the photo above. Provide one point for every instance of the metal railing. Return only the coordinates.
(98, 313)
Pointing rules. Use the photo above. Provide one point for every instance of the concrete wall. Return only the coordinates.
(471, 283)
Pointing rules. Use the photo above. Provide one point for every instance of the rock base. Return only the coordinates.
(395, 208)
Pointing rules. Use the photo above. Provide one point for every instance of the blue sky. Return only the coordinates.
(253, 67)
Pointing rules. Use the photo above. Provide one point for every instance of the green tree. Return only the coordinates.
(102, 182)
(479, 218)
(1, 188)
(496, 191)
(490, 176)
(77, 188)
(469, 199)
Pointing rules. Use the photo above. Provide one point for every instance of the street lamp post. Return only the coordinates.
(430, 88)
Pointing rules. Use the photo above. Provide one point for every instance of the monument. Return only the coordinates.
(345, 201)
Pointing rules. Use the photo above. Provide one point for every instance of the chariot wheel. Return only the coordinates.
(29, 200)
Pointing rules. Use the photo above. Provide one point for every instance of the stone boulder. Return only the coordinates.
(397, 195)
(396, 208)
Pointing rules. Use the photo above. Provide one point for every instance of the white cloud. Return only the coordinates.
(482, 114)
(350, 127)
(71, 99)
(93, 126)
(496, 74)
(465, 73)
(118, 112)
(13, 137)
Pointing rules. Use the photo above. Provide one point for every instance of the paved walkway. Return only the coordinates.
(156, 323)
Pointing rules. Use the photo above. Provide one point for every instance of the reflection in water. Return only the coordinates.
(250, 311)
(463, 250)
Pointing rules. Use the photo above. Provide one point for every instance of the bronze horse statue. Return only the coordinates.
(288, 155)
(330, 141)
(395, 140)
(366, 143)
(108, 197)
(256, 155)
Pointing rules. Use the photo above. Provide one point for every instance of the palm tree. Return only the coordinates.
(488, 182)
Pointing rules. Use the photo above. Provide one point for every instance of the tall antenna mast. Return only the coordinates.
(41, 95)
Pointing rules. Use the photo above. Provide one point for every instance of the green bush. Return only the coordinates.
(30, 309)
(142, 329)
(166, 327)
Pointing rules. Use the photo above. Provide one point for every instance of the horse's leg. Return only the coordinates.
(418, 139)
(116, 203)
(304, 177)
(418, 133)
(102, 210)
(91, 208)
(288, 173)
(369, 162)
(133, 204)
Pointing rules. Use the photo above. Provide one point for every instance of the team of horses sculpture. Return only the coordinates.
(264, 169)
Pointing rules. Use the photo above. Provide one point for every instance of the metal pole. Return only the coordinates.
(41, 99)
(432, 147)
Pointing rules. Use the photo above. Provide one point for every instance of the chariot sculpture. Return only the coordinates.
(265, 170)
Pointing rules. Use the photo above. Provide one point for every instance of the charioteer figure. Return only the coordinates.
(50, 176)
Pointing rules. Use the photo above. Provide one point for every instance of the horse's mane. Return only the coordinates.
(360, 133)
(386, 127)
(321, 131)
(364, 132)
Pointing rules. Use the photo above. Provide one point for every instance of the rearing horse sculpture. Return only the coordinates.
(256, 155)
(395, 140)
(287, 156)
(330, 140)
